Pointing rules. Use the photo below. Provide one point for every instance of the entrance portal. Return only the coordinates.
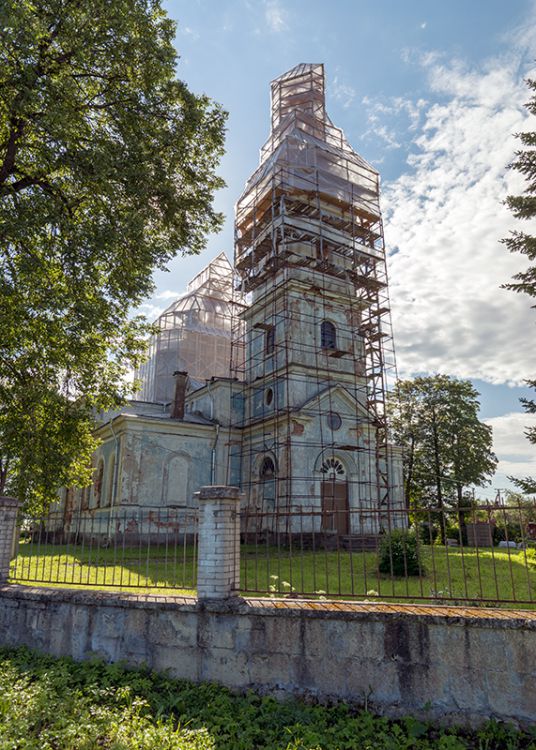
(335, 510)
(335, 506)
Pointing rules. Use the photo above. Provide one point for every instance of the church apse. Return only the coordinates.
(314, 347)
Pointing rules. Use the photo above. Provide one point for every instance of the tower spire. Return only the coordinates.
(302, 90)
(317, 350)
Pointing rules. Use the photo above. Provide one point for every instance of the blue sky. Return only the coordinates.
(430, 93)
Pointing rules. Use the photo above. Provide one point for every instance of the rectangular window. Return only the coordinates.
(269, 340)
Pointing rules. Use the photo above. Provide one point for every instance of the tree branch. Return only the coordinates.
(8, 165)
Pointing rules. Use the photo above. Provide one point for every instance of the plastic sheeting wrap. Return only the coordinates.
(306, 165)
(303, 163)
(194, 335)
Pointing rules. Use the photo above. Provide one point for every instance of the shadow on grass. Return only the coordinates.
(455, 575)
(124, 568)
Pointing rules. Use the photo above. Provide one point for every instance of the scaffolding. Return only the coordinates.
(194, 333)
(314, 348)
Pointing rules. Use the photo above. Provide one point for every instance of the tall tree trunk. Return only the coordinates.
(462, 514)
(439, 488)
(4, 464)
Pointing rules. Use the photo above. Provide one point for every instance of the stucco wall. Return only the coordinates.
(434, 662)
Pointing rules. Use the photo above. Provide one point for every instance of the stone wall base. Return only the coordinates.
(445, 664)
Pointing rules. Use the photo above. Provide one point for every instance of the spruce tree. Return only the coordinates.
(524, 207)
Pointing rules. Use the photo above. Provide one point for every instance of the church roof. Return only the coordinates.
(300, 70)
(210, 289)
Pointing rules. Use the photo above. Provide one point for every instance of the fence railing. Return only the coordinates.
(129, 547)
(471, 555)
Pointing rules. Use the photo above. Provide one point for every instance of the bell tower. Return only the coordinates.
(314, 347)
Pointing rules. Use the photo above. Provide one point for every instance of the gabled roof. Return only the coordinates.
(336, 390)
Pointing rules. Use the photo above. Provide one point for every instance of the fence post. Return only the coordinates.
(8, 523)
(218, 565)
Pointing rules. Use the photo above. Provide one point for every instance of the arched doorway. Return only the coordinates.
(334, 488)
(267, 484)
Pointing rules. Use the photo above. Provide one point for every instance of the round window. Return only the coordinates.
(334, 420)
(268, 396)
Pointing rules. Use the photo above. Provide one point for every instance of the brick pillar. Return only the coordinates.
(8, 523)
(218, 566)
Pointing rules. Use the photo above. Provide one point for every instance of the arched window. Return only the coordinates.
(97, 485)
(332, 468)
(269, 340)
(328, 335)
(110, 482)
(267, 468)
(267, 485)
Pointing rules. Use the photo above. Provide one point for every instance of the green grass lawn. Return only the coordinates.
(57, 704)
(450, 573)
(460, 574)
(132, 568)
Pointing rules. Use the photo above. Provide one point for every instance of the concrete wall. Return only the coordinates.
(444, 663)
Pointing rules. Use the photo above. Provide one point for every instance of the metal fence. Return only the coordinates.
(121, 548)
(475, 555)
(470, 555)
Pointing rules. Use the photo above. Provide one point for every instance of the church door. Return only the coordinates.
(335, 510)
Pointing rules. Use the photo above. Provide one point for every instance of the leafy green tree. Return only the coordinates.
(524, 207)
(512, 515)
(107, 170)
(447, 449)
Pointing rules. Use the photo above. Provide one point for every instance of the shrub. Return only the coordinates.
(452, 531)
(399, 554)
(530, 556)
(428, 532)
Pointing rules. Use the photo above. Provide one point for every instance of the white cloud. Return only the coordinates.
(517, 457)
(187, 31)
(524, 35)
(168, 294)
(150, 311)
(393, 119)
(342, 92)
(388, 136)
(276, 16)
(424, 24)
(444, 219)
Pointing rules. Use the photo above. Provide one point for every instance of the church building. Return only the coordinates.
(271, 374)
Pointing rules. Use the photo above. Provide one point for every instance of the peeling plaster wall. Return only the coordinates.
(444, 663)
(163, 463)
(160, 463)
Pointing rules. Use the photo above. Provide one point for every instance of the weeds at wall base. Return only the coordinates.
(48, 703)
